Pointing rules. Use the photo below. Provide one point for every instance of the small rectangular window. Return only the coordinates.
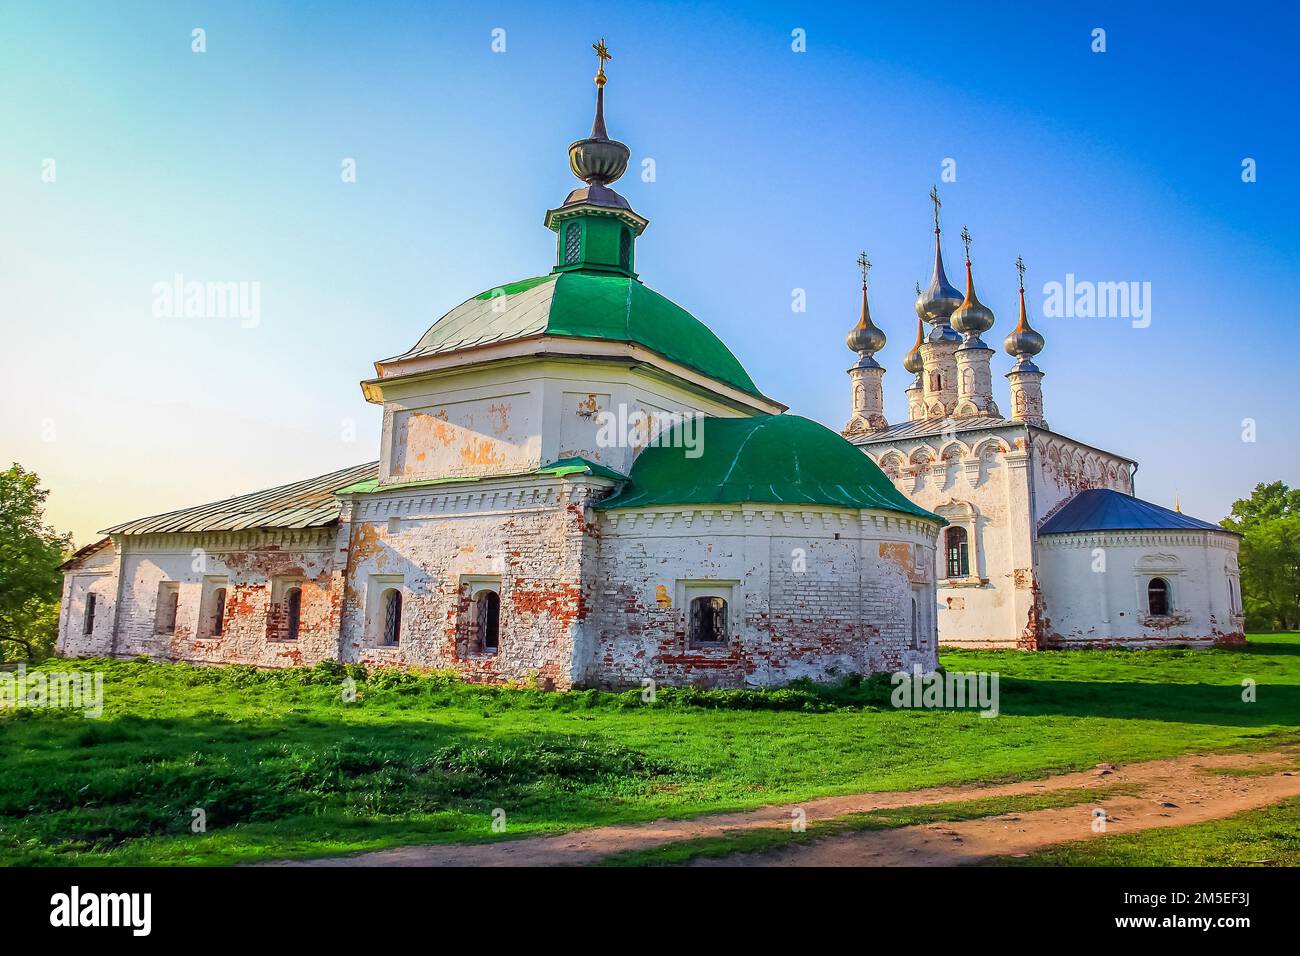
(88, 625)
(169, 597)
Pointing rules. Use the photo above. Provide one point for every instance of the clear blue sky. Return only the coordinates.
(774, 169)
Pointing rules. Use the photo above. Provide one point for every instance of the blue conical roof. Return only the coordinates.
(1101, 509)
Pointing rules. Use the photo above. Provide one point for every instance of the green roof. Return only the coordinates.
(582, 305)
(768, 459)
(563, 468)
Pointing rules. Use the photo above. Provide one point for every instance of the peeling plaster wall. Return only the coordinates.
(805, 603)
(977, 480)
(1094, 588)
(1063, 468)
(511, 419)
(529, 537)
(246, 564)
(97, 574)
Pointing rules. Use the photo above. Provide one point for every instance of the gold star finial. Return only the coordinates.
(1020, 267)
(602, 54)
(965, 241)
(934, 198)
(864, 264)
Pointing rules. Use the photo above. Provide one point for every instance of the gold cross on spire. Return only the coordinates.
(1020, 267)
(934, 198)
(864, 264)
(602, 54)
(965, 241)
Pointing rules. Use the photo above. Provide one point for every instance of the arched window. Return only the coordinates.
(957, 551)
(292, 613)
(487, 619)
(572, 243)
(392, 623)
(218, 611)
(916, 626)
(1158, 597)
(88, 625)
(708, 621)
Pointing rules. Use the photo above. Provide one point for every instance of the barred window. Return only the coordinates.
(392, 605)
(625, 249)
(88, 625)
(572, 243)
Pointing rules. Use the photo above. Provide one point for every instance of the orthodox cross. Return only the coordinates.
(602, 54)
(934, 198)
(1020, 267)
(864, 264)
(965, 241)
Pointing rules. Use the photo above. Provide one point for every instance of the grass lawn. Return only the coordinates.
(1267, 837)
(282, 766)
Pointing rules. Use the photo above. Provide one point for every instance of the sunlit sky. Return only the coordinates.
(774, 168)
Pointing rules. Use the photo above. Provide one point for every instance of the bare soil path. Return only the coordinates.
(1174, 792)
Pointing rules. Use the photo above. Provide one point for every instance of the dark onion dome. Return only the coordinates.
(767, 459)
(866, 338)
(1103, 509)
(599, 160)
(972, 316)
(912, 360)
(1023, 342)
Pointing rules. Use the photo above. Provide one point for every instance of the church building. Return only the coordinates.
(1045, 546)
(578, 484)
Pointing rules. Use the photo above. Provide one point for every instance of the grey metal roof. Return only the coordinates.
(934, 426)
(1102, 509)
(304, 504)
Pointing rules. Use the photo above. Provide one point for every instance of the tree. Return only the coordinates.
(30, 555)
(1269, 522)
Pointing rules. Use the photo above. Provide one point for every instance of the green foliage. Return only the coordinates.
(283, 765)
(30, 555)
(1269, 521)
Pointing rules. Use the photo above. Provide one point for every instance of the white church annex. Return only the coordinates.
(504, 535)
(1045, 545)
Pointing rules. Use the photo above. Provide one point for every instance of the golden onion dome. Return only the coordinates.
(1023, 342)
(912, 360)
(866, 338)
(972, 317)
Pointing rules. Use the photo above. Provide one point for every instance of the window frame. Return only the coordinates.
(1167, 593)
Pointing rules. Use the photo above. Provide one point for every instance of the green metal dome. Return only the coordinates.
(768, 459)
(591, 306)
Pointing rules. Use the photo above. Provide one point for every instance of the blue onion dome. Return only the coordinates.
(972, 316)
(912, 360)
(866, 338)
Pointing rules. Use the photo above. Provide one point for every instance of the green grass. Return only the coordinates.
(282, 766)
(773, 838)
(1267, 837)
